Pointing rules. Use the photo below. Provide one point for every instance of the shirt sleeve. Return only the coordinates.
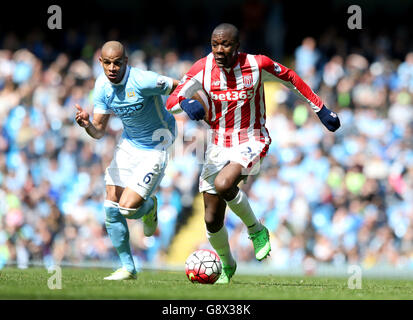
(156, 84)
(274, 71)
(99, 103)
(189, 84)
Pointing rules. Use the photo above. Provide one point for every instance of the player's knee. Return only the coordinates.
(227, 189)
(223, 185)
(130, 203)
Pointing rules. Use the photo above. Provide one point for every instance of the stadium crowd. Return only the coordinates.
(338, 198)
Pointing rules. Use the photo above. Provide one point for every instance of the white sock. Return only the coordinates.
(242, 209)
(219, 241)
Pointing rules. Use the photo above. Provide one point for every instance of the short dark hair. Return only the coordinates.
(228, 27)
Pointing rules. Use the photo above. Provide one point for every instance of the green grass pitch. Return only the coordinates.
(88, 284)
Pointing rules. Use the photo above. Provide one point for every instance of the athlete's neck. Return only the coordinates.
(233, 63)
(123, 79)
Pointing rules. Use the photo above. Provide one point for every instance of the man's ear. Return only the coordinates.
(235, 52)
(101, 61)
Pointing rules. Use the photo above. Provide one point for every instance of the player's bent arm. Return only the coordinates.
(201, 97)
(186, 88)
(96, 129)
(175, 83)
(182, 100)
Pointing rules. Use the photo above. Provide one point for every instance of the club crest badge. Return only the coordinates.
(130, 94)
(277, 68)
(248, 83)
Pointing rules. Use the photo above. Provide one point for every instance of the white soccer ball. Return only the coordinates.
(203, 266)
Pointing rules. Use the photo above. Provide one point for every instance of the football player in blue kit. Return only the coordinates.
(141, 155)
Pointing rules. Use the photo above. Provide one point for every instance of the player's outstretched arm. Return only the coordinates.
(96, 128)
(272, 70)
(192, 106)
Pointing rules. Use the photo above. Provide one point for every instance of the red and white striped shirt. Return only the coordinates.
(236, 95)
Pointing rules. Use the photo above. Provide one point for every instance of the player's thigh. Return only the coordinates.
(130, 199)
(216, 157)
(215, 207)
(119, 171)
(137, 172)
(114, 193)
(147, 175)
(229, 177)
(249, 155)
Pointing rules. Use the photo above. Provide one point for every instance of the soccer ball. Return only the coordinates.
(203, 266)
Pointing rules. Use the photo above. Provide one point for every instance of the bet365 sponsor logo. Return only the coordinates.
(232, 95)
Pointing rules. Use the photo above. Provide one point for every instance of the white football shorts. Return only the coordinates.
(249, 154)
(138, 169)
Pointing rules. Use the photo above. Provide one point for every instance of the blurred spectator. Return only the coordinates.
(405, 73)
(306, 58)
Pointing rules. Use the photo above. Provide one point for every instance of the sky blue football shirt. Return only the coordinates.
(137, 101)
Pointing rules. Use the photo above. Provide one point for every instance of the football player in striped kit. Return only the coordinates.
(233, 82)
